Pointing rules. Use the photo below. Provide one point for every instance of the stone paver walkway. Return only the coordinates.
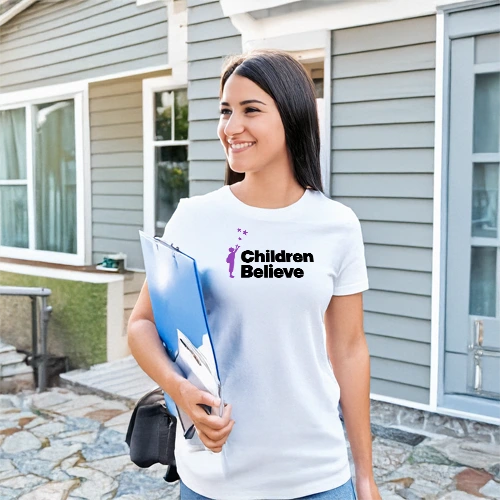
(62, 445)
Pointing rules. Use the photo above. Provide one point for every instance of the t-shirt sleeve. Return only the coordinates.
(352, 275)
(176, 224)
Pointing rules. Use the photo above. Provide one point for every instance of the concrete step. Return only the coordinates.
(12, 358)
(123, 378)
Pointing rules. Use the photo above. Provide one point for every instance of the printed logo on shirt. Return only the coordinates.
(251, 257)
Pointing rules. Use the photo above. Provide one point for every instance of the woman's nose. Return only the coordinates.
(233, 126)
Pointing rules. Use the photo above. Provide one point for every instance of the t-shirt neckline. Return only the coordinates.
(265, 213)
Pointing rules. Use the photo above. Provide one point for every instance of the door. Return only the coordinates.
(472, 318)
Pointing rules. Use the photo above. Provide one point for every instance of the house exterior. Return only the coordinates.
(408, 98)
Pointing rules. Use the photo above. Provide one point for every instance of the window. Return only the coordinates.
(166, 153)
(40, 180)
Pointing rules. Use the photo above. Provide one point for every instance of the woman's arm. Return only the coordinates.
(348, 353)
(148, 351)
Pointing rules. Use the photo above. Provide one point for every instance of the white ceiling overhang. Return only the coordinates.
(14, 10)
(232, 7)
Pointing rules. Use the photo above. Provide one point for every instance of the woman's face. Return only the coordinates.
(250, 127)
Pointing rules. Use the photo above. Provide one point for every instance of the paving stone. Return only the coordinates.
(59, 475)
(79, 437)
(110, 466)
(102, 415)
(471, 480)
(36, 422)
(77, 423)
(138, 483)
(76, 403)
(395, 434)
(22, 482)
(49, 429)
(42, 468)
(124, 418)
(458, 495)
(51, 398)
(5, 402)
(69, 462)
(109, 404)
(429, 455)
(51, 491)
(58, 452)
(8, 493)
(21, 441)
(98, 486)
(429, 480)
(467, 452)
(388, 455)
(109, 443)
(491, 489)
(121, 428)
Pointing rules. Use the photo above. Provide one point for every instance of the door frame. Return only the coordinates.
(446, 31)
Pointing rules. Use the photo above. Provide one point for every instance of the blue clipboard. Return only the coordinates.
(177, 301)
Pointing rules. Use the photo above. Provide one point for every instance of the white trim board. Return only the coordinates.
(149, 86)
(8, 98)
(61, 274)
(339, 15)
(438, 237)
(15, 10)
(438, 409)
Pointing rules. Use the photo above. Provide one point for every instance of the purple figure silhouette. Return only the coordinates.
(230, 259)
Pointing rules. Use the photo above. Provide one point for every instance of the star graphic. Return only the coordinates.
(245, 232)
(239, 230)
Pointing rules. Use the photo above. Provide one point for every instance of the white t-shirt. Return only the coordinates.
(268, 334)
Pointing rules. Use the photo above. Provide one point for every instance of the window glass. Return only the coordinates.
(13, 144)
(55, 177)
(487, 113)
(482, 298)
(181, 115)
(163, 113)
(485, 200)
(171, 182)
(14, 216)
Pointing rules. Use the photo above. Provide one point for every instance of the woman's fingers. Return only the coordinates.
(215, 442)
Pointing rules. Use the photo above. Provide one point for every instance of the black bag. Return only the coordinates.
(151, 434)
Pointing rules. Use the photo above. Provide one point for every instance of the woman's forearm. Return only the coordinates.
(151, 356)
(352, 371)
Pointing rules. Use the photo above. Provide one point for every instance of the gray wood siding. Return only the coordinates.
(59, 41)
(382, 167)
(117, 169)
(211, 37)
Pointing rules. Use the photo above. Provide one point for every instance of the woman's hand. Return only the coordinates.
(212, 429)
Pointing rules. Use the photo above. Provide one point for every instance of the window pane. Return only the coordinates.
(181, 115)
(483, 281)
(55, 177)
(487, 113)
(171, 182)
(13, 144)
(14, 216)
(163, 113)
(485, 200)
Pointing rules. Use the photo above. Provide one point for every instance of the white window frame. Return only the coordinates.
(149, 87)
(78, 92)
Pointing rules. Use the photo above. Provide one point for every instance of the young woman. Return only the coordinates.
(288, 328)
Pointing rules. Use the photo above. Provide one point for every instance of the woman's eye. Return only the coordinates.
(223, 111)
(251, 110)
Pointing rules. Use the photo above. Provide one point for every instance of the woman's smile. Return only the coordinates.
(240, 147)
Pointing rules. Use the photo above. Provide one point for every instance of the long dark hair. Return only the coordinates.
(286, 81)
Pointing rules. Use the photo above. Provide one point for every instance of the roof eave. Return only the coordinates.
(16, 9)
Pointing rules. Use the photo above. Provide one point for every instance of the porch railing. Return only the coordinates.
(39, 355)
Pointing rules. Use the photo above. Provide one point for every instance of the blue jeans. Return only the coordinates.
(344, 492)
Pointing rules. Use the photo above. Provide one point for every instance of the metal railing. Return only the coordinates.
(39, 355)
